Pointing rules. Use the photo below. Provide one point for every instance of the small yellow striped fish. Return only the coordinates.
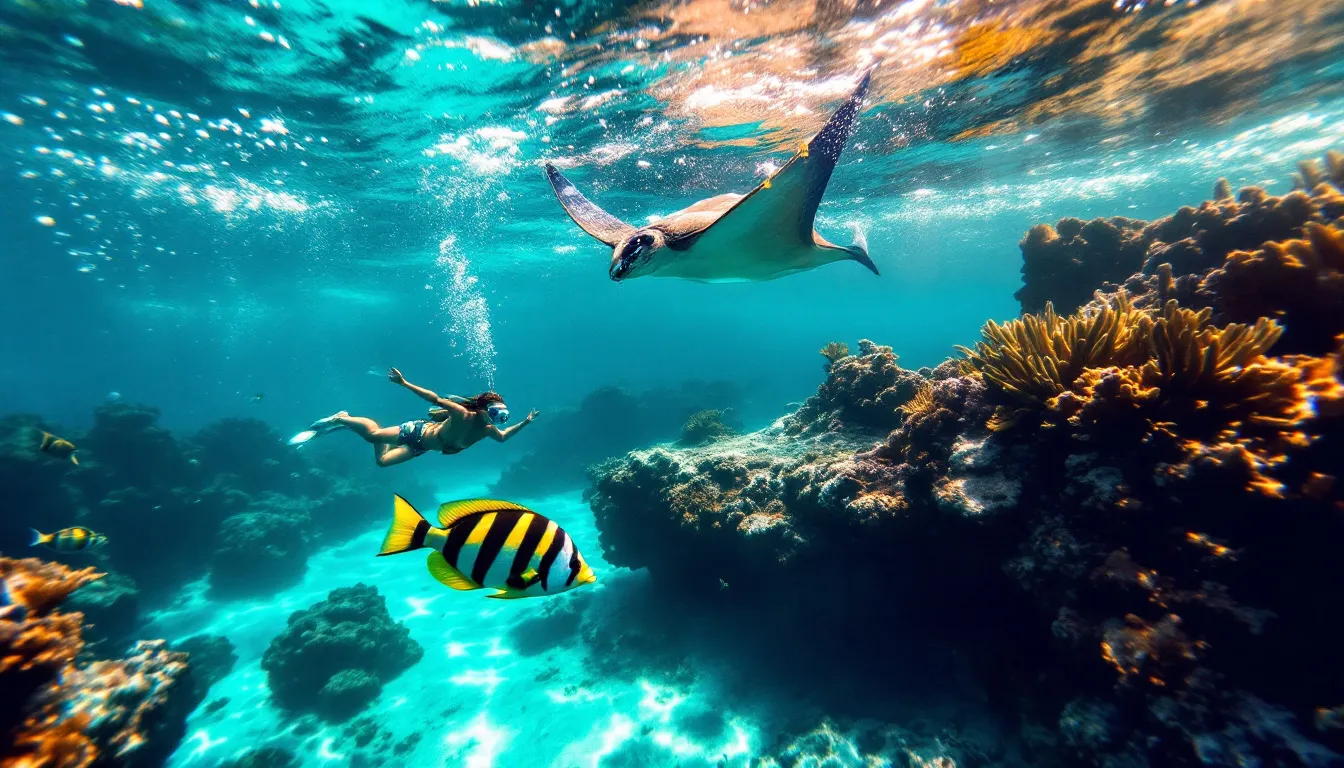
(74, 539)
(58, 447)
(495, 544)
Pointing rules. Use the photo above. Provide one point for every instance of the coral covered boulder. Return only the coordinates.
(261, 550)
(862, 391)
(704, 426)
(333, 657)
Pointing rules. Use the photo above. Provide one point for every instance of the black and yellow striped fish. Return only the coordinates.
(495, 544)
(58, 447)
(74, 539)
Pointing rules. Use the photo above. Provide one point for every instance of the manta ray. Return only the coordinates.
(762, 235)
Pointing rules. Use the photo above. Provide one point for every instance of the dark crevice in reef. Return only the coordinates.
(1112, 526)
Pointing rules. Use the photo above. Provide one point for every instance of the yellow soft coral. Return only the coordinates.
(835, 350)
(921, 403)
(1035, 357)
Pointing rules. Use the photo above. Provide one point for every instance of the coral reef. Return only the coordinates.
(1135, 499)
(862, 391)
(609, 422)
(261, 550)
(1066, 263)
(125, 712)
(333, 657)
(233, 496)
(704, 426)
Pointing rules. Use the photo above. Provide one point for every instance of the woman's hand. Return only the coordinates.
(394, 376)
(530, 416)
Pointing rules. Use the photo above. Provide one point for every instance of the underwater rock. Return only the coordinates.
(127, 448)
(111, 608)
(333, 657)
(254, 453)
(261, 550)
(862, 391)
(567, 443)
(125, 712)
(211, 658)
(165, 538)
(346, 693)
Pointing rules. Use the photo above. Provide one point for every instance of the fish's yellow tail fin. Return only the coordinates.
(47, 440)
(74, 459)
(40, 537)
(407, 531)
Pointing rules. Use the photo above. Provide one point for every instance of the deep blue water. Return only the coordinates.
(202, 201)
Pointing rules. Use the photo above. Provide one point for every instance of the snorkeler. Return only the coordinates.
(455, 423)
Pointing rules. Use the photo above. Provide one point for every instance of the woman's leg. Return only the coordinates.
(386, 455)
(369, 430)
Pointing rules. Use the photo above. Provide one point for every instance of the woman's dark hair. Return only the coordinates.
(482, 401)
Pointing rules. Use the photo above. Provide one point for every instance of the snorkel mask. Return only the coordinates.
(498, 413)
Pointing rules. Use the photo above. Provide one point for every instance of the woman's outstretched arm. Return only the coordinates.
(502, 435)
(395, 377)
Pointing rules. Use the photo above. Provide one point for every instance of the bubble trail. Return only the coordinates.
(466, 307)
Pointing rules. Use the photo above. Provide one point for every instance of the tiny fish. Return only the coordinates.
(258, 397)
(58, 447)
(74, 539)
(496, 544)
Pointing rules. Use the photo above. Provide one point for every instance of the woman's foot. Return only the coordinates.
(329, 424)
(320, 427)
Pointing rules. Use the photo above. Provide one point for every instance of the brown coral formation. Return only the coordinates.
(57, 714)
(1066, 263)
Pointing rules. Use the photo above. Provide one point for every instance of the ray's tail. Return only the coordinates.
(859, 250)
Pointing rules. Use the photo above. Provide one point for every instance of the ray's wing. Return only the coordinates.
(788, 200)
(585, 213)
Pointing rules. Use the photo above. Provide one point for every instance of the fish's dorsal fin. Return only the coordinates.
(453, 511)
(788, 199)
(447, 574)
(585, 213)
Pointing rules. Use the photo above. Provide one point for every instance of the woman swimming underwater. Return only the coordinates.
(454, 424)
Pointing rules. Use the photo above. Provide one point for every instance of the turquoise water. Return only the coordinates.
(207, 201)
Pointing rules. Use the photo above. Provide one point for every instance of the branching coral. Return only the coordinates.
(834, 351)
(1038, 357)
(922, 403)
